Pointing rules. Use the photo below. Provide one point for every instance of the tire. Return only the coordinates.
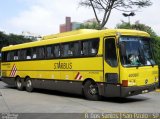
(19, 84)
(29, 86)
(91, 91)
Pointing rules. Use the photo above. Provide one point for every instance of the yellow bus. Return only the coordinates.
(96, 63)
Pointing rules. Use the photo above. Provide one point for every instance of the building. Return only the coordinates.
(69, 26)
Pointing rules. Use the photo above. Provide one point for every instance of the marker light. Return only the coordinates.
(125, 83)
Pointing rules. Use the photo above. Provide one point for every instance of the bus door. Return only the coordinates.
(111, 68)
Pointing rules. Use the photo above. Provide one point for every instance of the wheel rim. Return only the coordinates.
(93, 89)
(29, 83)
(19, 83)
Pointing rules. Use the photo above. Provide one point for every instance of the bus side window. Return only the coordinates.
(76, 49)
(34, 53)
(56, 49)
(70, 50)
(8, 56)
(65, 50)
(15, 55)
(49, 52)
(22, 54)
(40, 53)
(28, 54)
(19, 54)
(84, 48)
(89, 47)
(11, 56)
(93, 46)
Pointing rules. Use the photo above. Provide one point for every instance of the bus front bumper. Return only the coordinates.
(112, 90)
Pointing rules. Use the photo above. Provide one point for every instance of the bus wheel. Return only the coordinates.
(29, 86)
(19, 84)
(91, 91)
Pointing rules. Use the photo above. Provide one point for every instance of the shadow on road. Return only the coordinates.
(58, 93)
(104, 99)
(126, 100)
(132, 99)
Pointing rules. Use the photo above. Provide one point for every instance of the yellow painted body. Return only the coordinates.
(91, 67)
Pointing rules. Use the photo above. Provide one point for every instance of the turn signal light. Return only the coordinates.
(125, 83)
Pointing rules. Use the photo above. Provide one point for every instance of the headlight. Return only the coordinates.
(156, 79)
(131, 83)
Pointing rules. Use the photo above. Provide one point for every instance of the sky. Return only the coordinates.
(43, 17)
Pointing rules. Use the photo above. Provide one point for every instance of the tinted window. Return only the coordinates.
(16, 57)
(49, 51)
(66, 52)
(89, 47)
(40, 52)
(10, 56)
(22, 54)
(57, 52)
(28, 54)
(70, 49)
(110, 52)
(75, 48)
(34, 53)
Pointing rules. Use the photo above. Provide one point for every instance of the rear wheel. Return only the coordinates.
(18, 83)
(91, 91)
(29, 86)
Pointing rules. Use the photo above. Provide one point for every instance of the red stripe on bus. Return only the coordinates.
(13, 71)
(77, 75)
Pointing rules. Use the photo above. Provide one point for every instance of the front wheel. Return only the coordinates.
(29, 86)
(91, 91)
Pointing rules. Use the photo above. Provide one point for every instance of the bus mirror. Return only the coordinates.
(123, 48)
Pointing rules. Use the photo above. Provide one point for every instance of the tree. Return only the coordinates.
(12, 39)
(92, 25)
(137, 26)
(106, 7)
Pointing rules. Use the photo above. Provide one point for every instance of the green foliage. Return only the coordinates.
(92, 25)
(137, 26)
(156, 49)
(123, 25)
(12, 39)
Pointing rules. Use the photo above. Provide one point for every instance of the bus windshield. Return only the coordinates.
(135, 51)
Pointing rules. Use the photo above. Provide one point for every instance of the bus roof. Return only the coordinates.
(70, 33)
(75, 35)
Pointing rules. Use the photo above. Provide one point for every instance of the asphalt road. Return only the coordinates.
(44, 101)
